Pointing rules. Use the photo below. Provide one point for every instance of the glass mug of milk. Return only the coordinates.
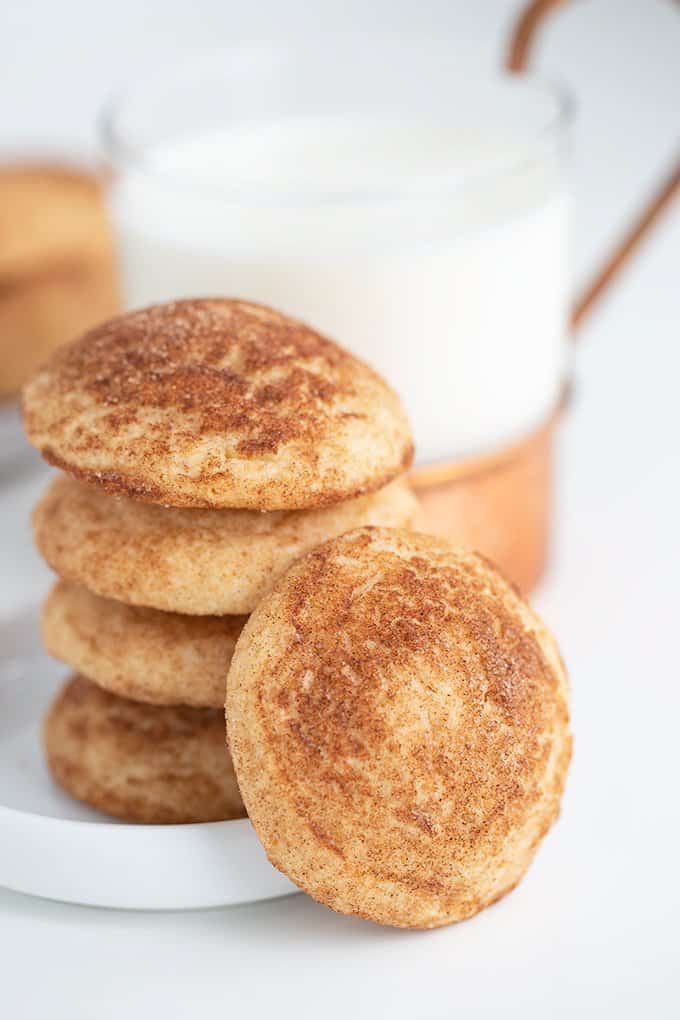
(395, 199)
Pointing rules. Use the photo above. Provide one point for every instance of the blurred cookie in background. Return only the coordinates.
(41, 313)
(57, 269)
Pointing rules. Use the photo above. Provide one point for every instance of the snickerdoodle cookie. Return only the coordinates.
(217, 403)
(143, 654)
(39, 314)
(140, 762)
(57, 272)
(187, 560)
(51, 217)
(399, 726)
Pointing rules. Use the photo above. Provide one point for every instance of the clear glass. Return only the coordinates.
(389, 193)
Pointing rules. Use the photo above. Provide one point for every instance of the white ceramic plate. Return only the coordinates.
(52, 846)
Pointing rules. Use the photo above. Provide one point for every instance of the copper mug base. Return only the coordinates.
(499, 505)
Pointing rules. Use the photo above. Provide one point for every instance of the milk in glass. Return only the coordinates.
(398, 239)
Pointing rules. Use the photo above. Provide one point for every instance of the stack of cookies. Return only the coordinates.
(204, 446)
(231, 518)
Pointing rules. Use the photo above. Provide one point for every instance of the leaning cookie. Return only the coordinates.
(141, 654)
(140, 763)
(208, 562)
(217, 403)
(399, 726)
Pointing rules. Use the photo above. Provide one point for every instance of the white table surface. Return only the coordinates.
(593, 929)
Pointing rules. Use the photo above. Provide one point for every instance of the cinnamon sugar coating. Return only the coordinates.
(399, 726)
(186, 560)
(140, 763)
(217, 403)
(142, 654)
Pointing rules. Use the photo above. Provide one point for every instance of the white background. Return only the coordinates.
(593, 929)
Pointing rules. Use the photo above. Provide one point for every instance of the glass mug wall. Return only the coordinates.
(392, 197)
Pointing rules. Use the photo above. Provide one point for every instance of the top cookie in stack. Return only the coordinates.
(217, 410)
(217, 404)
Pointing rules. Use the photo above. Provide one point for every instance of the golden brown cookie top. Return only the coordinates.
(217, 403)
(398, 722)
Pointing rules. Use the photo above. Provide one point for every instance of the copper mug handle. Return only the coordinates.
(521, 41)
(501, 502)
